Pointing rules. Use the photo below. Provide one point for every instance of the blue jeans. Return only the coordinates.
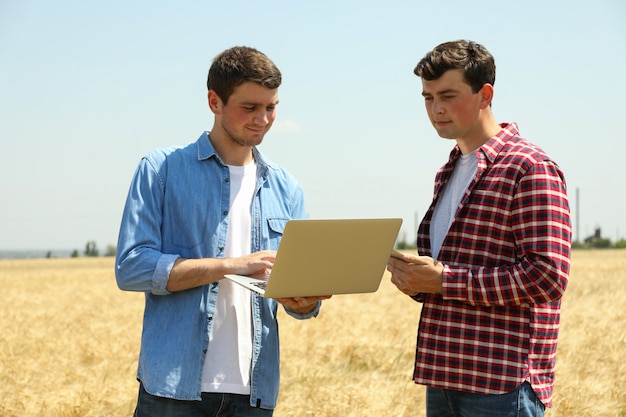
(212, 405)
(521, 402)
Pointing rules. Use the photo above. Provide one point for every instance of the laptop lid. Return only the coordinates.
(327, 257)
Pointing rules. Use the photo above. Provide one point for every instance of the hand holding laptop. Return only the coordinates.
(408, 257)
(301, 305)
(413, 274)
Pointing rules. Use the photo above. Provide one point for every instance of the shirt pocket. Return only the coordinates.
(276, 228)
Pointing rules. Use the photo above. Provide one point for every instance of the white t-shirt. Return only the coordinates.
(464, 171)
(229, 357)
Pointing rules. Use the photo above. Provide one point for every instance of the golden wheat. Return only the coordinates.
(70, 342)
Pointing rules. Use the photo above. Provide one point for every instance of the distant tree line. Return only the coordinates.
(601, 243)
(596, 241)
(91, 250)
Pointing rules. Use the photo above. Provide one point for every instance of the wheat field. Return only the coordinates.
(70, 342)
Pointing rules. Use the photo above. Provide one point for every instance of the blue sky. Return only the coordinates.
(88, 87)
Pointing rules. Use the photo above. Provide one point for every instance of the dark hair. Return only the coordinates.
(238, 65)
(477, 64)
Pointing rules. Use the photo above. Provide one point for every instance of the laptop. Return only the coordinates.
(327, 257)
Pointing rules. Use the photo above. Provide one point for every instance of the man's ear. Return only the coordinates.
(215, 102)
(486, 93)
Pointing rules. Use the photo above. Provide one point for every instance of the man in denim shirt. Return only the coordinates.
(193, 214)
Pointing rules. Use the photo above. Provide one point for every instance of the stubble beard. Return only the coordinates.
(240, 141)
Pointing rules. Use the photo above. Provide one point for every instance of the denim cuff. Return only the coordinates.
(301, 316)
(162, 274)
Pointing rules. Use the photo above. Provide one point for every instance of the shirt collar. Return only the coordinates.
(205, 147)
(207, 151)
(493, 146)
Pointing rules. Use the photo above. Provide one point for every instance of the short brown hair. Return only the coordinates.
(477, 64)
(240, 64)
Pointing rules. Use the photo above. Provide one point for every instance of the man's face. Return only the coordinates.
(249, 114)
(451, 105)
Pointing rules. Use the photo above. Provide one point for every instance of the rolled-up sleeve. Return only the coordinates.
(301, 316)
(140, 266)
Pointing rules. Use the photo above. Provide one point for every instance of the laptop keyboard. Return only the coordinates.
(260, 284)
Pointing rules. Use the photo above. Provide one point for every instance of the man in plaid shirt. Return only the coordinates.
(496, 241)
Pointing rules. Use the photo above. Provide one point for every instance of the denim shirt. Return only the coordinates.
(177, 206)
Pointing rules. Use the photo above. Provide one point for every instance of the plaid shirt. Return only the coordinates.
(507, 259)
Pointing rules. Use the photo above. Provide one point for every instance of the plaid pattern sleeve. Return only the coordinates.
(507, 257)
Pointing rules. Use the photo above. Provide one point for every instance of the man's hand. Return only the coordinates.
(301, 305)
(416, 274)
(191, 273)
(255, 263)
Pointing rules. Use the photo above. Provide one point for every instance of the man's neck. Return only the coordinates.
(486, 128)
(230, 152)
